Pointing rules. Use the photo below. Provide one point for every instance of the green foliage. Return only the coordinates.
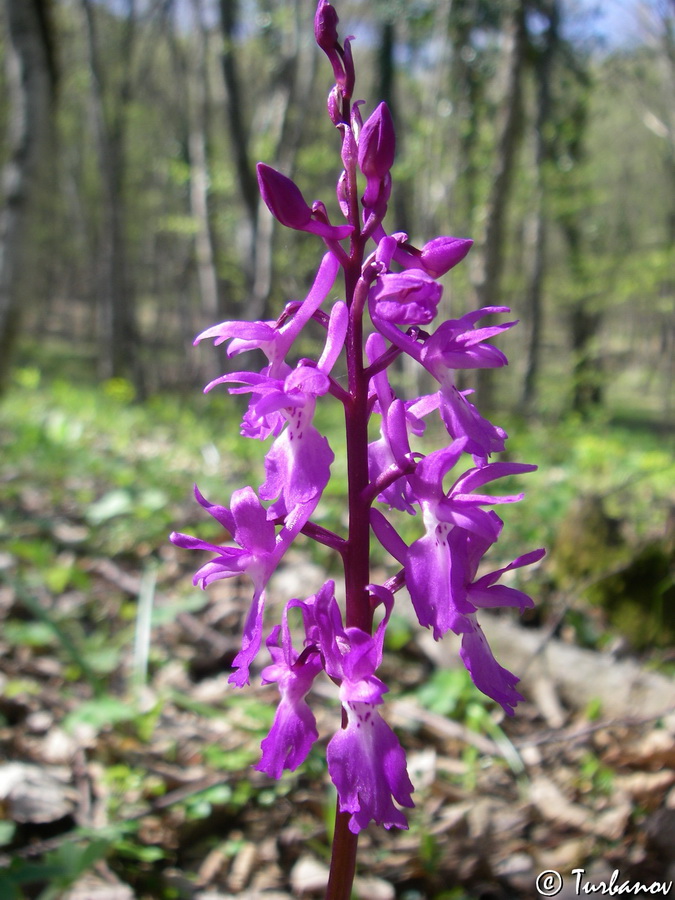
(58, 870)
(594, 776)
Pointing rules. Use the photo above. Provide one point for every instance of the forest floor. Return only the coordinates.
(126, 759)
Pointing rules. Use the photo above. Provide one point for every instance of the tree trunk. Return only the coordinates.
(539, 231)
(199, 173)
(467, 90)
(118, 334)
(487, 284)
(588, 378)
(289, 95)
(30, 80)
(238, 129)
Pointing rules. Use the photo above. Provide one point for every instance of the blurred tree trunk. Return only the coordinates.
(198, 142)
(467, 90)
(666, 15)
(588, 377)
(584, 319)
(238, 131)
(487, 283)
(288, 93)
(31, 80)
(386, 91)
(545, 57)
(118, 332)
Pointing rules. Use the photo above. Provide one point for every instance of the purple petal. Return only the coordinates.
(462, 419)
(427, 480)
(253, 531)
(290, 738)
(494, 596)
(432, 583)
(250, 644)
(254, 333)
(321, 287)
(335, 337)
(489, 677)
(388, 536)
(482, 475)
(220, 513)
(367, 766)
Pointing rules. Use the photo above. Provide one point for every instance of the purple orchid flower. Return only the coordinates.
(436, 257)
(442, 568)
(284, 200)
(405, 298)
(457, 344)
(258, 554)
(365, 759)
(430, 561)
(392, 449)
(298, 462)
(294, 728)
(376, 151)
(467, 550)
(264, 416)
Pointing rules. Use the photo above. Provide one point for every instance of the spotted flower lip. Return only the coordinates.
(367, 765)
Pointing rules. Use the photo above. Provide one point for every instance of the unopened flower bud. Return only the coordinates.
(405, 298)
(342, 194)
(377, 144)
(334, 105)
(443, 253)
(284, 200)
(325, 26)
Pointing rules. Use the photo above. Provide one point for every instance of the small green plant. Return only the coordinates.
(594, 776)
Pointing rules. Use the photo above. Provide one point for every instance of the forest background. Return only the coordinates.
(130, 221)
(133, 168)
